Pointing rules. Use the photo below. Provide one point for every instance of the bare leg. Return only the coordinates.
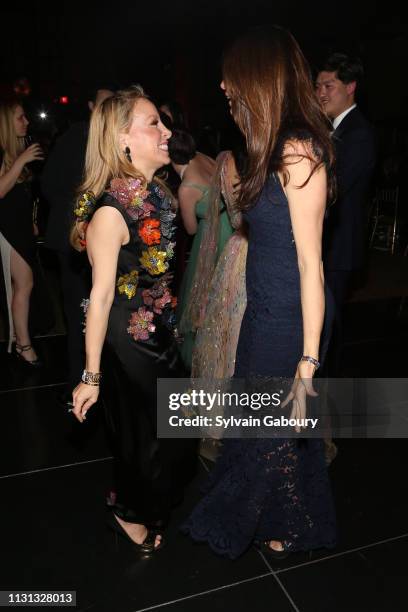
(22, 281)
(136, 532)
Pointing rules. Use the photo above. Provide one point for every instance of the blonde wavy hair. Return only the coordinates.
(105, 158)
(11, 145)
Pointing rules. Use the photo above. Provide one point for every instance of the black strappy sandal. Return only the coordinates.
(147, 547)
(21, 348)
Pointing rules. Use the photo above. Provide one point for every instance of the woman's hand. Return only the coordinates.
(301, 387)
(83, 397)
(32, 153)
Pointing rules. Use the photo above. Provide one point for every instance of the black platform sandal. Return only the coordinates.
(22, 348)
(147, 547)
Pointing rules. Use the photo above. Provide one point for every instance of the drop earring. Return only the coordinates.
(127, 154)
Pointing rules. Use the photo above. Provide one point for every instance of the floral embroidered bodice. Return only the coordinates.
(142, 293)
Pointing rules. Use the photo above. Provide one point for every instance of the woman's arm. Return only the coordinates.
(105, 235)
(307, 206)
(188, 198)
(9, 178)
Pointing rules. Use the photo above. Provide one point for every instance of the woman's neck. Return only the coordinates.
(180, 169)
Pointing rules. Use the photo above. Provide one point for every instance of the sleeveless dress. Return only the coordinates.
(150, 473)
(225, 231)
(16, 232)
(269, 489)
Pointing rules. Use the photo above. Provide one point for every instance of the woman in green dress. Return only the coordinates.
(196, 172)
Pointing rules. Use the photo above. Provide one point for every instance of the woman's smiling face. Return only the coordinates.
(147, 139)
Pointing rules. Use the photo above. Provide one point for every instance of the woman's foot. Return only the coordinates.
(137, 532)
(275, 545)
(273, 549)
(330, 451)
(27, 353)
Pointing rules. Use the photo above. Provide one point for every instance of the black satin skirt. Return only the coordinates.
(150, 473)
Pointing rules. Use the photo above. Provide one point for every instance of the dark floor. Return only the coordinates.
(55, 475)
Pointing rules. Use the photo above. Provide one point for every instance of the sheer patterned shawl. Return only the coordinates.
(222, 185)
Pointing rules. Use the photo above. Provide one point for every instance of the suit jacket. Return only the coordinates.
(345, 224)
(59, 180)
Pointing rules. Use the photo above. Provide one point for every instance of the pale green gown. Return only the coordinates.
(225, 231)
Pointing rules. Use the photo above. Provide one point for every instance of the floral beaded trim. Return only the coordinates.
(84, 206)
(127, 284)
(132, 195)
(140, 324)
(151, 208)
(154, 261)
(149, 231)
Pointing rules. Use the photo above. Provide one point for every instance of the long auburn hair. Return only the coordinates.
(11, 145)
(105, 159)
(273, 100)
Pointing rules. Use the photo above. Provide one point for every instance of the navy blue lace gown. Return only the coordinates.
(264, 489)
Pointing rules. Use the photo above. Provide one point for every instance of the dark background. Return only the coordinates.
(173, 48)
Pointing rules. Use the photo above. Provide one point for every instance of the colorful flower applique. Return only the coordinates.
(152, 210)
(170, 249)
(127, 284)
(149, 231)
(132, 196)
(84, 305)
(140, 324)
(158, 296)
(158, 191)
(154, 261)
(84, 206)
(167, 217)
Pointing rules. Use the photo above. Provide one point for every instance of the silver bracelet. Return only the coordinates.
(91, 378)
(311, 360)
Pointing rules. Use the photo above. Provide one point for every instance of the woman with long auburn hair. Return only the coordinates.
(130, 314)
(274, 492)
(17, 241)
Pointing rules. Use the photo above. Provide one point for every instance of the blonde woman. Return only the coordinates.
(17, 241)
(129, 240)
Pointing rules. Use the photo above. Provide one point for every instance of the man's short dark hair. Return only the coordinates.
(348, 69)
(182, 147)
(176, 111)
(93, 89)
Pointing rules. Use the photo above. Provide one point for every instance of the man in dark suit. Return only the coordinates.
(60, 179)
(344, 242)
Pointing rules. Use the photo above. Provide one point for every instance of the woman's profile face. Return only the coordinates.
(20, 122)
(147, 138)
(225, 90)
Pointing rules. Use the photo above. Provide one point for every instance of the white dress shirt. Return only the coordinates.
(339, 119)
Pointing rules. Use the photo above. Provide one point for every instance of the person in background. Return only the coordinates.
(59, 181)
(344, 245)
(196, 172)
(17, 240)
(217, 303)
(174, 112)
